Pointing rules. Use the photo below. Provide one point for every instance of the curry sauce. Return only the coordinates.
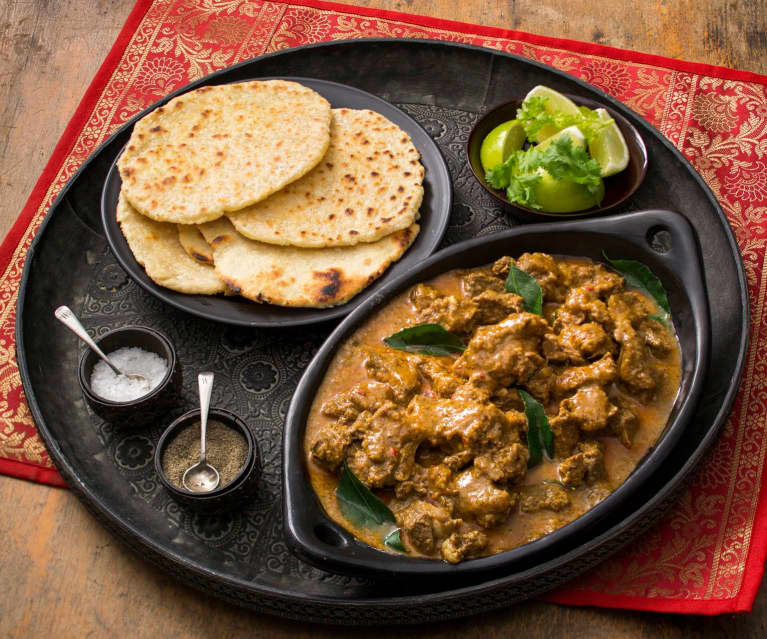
(442, 439)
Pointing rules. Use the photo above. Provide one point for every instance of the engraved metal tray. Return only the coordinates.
(242, 556)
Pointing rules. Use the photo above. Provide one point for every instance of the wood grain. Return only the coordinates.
(59, 570)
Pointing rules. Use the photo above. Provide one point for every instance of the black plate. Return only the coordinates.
(663, 240)
(435, 212)
(243, 558)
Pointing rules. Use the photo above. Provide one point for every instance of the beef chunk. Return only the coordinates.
(346, 407)
(433, 481)
(456, 425)
(593, 277)
(479, 498)
(635, 366)
(463, 545)
(500, 267)
(440, 379)
(453, 314)
(541, 384)
(656, 336)
(474, 283)
(593, 460)
(566, 434)
(581, 305)
(386, 452)
(544, 497)
(546, 272)
(494, 306)
(589, 340)
(329, 449)
(506, 351)
(627, 309)
(572, 471)
(507, 399)
(589, 408)
(508, 464)
(397, 369)
(426, 525)
(557, 351)
(623, 424)
(601, 373)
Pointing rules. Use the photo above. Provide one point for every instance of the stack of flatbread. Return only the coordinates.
(261, 189)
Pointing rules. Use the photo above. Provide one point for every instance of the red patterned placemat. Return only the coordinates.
(708, 555)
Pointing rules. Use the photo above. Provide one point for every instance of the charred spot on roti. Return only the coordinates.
(333, 279)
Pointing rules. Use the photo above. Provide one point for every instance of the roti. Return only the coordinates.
(290, 276)
(156, 247)
(368, 185)
(221, 148)
(194, 243)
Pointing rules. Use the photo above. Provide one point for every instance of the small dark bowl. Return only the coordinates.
(664, 241)
(153, 406)
(618, 188)
(232, 495)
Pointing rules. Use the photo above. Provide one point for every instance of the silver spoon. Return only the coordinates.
(65, 315)
(202, 477)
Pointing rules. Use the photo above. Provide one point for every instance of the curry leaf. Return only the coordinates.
(638, 275)
(358, 504)
(364, 509)
(429, 339)
(527, 288)
(539, 435)
(394, 541)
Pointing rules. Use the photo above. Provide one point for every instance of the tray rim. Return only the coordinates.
(295, 316)
(180, 566)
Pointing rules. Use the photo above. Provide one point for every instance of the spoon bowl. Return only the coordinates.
(202, 477)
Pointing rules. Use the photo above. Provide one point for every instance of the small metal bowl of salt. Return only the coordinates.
(149, 383)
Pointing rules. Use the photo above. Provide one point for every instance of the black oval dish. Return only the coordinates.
(663, 240)
(236, 492)
(618, 187)
(434, 211)
(150, 407)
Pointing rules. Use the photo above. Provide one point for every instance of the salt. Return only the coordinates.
(120, 388)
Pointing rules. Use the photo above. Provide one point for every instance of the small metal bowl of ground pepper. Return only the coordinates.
(231, 449)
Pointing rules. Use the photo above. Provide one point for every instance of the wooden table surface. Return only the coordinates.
(59, 570)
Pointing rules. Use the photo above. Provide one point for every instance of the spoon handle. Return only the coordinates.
(205, 384)
(65, 315)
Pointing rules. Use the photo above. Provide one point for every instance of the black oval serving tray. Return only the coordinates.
(233, 309)
(243, 556)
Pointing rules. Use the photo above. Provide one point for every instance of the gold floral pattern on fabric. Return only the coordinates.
(699, 551)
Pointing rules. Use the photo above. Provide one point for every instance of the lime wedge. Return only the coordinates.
(564, 196)
(500, 143)
(609, 147)
(572, 132)
(555, 103)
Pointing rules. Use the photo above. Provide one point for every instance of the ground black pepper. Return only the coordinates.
(226, 451)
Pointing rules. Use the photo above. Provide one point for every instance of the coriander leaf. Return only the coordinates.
(522, 189)
(563, 160)
(358, 504)
(527, 287)
(429, 339)
(539, 436)
(394, 541)
(638, 275)
(499, 176)
(534, 117)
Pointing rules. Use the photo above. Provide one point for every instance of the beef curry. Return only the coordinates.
(442, 440)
